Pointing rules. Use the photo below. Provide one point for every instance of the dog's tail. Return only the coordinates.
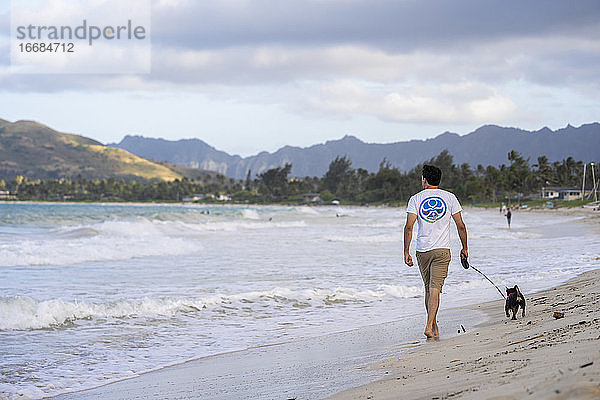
(519, 295)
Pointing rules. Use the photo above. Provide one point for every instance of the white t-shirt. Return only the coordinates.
(434, 209)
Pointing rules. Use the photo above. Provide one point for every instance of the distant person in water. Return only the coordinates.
(508, 217)
(433, 209)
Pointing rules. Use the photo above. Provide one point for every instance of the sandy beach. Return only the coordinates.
(536, 357)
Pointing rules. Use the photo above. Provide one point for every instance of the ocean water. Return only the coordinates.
(93, 293)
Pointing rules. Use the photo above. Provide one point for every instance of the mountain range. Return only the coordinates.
(36, 151)
(487, 145)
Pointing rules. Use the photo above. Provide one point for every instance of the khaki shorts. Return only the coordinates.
(433, 265)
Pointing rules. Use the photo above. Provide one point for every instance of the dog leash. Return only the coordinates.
(466, 265)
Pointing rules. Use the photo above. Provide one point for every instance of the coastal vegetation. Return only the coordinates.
(515, 181)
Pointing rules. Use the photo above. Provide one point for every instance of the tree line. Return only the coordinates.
(516, 179)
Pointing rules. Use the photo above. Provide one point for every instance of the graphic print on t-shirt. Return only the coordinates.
(432, 209)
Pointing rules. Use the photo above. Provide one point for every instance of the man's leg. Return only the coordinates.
(436, 330)
(433, 302)
(439, 272)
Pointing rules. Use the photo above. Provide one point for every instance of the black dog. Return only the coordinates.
(514, 300)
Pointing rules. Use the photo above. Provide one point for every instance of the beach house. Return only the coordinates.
(557, 193)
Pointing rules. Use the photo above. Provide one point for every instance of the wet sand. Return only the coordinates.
(309, 368)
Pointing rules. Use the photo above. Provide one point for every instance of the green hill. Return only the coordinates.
(35, 151)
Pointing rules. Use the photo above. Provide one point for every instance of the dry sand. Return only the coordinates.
(536, 357)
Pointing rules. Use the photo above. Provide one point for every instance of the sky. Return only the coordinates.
(254, 75)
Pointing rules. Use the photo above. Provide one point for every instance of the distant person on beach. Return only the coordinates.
(433, 209)
(508, 217)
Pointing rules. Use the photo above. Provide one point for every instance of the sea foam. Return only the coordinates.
(24, 312)
(122, 240)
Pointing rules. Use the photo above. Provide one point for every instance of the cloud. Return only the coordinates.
(465, 102)
(410, 60)
(553, 61)
(235, 42)
(401, 25)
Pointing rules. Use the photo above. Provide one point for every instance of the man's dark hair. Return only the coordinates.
(432, 174)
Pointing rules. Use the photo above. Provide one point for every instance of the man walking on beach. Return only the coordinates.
(433, 208)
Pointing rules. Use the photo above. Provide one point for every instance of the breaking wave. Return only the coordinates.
(121, 240)
(25, 313)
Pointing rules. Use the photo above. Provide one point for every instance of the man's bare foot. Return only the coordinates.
(436, 330)
(429, 333)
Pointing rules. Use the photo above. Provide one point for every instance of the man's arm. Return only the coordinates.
(408, 228)
(462, 234)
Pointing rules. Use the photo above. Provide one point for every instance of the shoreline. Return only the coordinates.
(537, 355)
(494, 358)
(589, 215)
(302, 368)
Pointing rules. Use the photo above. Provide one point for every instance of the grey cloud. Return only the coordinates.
(548, 63)
(260, 42)
(544, 61)
(400, 25)
(566, 67)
